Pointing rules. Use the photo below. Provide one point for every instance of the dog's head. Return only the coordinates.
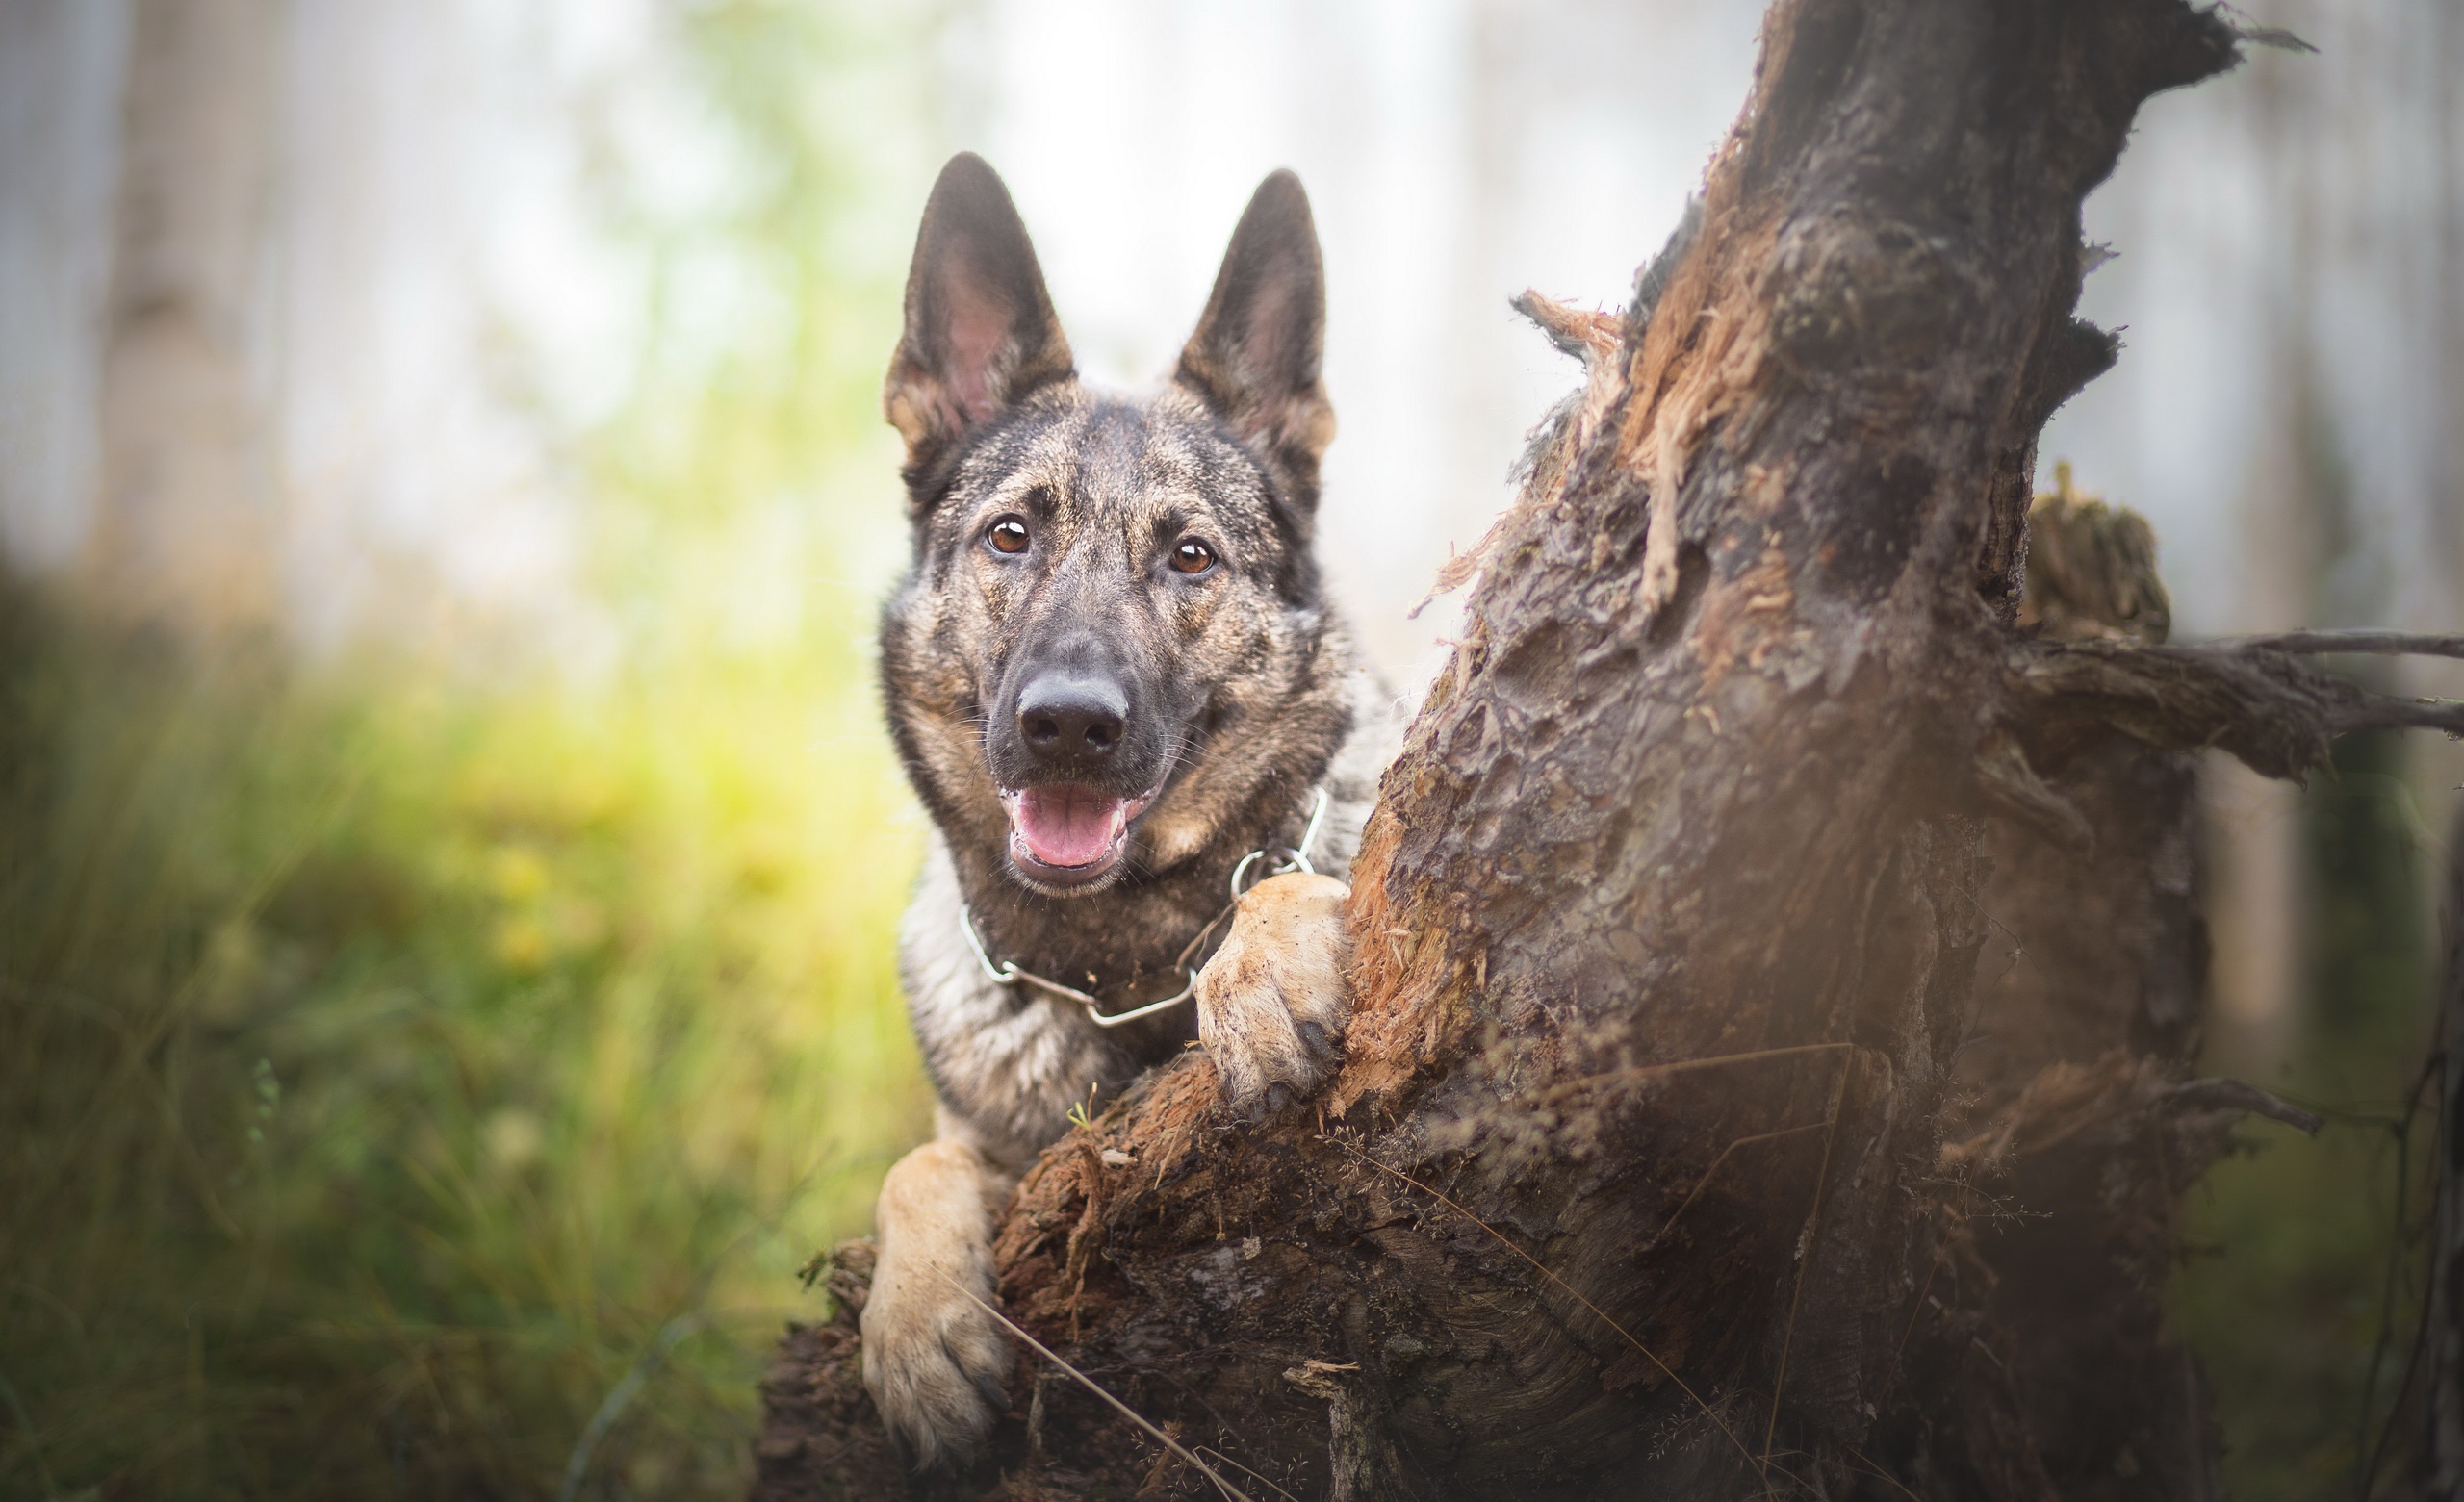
(1109, 650)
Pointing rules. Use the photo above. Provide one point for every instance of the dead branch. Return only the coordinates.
(2266, 706)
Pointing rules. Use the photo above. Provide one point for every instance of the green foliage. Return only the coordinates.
(2302, 1290)
(405, 1074)
(383, 1073)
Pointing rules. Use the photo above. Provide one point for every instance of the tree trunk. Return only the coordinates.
(184, 530)
(1671, 1156)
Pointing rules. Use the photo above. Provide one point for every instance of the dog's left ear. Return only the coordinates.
(1254, 357)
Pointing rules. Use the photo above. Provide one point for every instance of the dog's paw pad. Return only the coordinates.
(1272, 1003)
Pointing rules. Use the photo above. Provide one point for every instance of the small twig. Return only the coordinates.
(2224, 1093)
(2244, 29)
(1933, 1268)
(1088, 1382)
(612, 1407)
(2367, 1452)
(2385, 643)
(1641, 1072)
(34, 1440)
(1805, 1260)
(1704, 1183)
(1222, 1425)
(1247, 1471)
(1883, 1475)
(1598, 1313)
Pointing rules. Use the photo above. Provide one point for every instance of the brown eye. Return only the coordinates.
(1191, 556)
(1008, 535)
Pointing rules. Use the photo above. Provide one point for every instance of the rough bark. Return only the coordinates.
(2083, 1124)
(1661, 1164)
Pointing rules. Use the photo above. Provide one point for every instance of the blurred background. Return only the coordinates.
(448, 857)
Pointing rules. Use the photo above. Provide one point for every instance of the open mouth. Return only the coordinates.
(1063, 834)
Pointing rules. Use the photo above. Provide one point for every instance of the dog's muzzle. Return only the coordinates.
(1072, 743)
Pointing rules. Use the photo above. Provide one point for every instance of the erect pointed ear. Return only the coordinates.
(981, 332)
(1254, 357)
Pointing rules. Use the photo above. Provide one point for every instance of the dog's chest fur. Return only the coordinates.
(1010, 1062)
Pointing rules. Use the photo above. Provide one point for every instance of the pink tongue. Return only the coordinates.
(1066, 825)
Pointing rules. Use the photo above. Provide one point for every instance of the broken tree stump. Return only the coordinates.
(1660, 1164)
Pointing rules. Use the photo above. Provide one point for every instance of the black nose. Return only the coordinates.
(1072, 721)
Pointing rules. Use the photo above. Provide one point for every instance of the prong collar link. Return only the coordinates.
(1275, 860)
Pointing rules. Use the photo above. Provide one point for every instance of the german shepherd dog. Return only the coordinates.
(1111, 677)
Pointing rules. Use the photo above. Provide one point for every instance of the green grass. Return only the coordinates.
(2282, 1299)
(399, 1059)
(2286, 1293)
(384, 1072)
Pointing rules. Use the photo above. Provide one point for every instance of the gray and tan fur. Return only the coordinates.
(1061, 681)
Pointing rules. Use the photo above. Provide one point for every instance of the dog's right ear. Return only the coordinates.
(981, 332)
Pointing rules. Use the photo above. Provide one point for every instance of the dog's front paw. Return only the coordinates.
(1272, 1003)
(933, 1363)
(933, 1357)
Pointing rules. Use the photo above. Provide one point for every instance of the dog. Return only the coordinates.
(1114, 680)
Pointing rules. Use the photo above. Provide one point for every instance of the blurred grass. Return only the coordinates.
(2303, 1287)
(398, 1058)
(383, 1073)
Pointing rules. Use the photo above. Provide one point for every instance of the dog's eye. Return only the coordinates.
(1191, 556)
(1008, 535)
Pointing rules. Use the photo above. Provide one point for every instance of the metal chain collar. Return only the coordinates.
(1281, 859)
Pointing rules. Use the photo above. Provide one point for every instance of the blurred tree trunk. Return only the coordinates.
(184, 531)
(1671, 1157)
